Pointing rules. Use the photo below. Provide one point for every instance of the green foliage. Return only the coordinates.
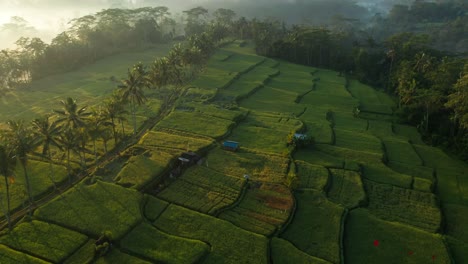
(311, 176)
(346, 188)
(153, 207)
(229, 244)
(42, 177)
(145, 240)
(411, 207)
(402, 151)
(48, 241)
(363, 228)
(370, 99)
(378, 172)
(358, 141)
(284, 252)
(273, 129)
(315, 228)
(197, 123)
(174, 140)
(203, 189)
(141, 169)
(116, 256)
(259, 167)
(314, 156)
(8, 255)
(381, 129)
(263, 209)
(93, 208)
(408, 132)
(84, 254)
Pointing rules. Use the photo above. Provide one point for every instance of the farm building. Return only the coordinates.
(230, 145)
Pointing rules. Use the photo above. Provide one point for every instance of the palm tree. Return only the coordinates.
(96, 124)
(69, 140)
(114, 109)
(132, 89)
(71, 115)
(23, 143)
(7, 168)
(47, 134)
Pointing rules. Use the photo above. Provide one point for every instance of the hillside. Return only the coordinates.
(367, 191)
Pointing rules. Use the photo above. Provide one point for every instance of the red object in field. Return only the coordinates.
(433, 257)
(410, 252)
(376, 243)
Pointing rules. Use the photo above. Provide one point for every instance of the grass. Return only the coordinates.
(259, 167)
(311, 176)
(358, 141)
(8, 255)
(378, 172)
(116, 256)
(456, 217)
(321, 131)
(263, 209)
(283, 252)
(315, 228)
(370, 99)
(203, 189)
(346, 121)
(458, 249)
(267, 134)
(92, 209)
(50, 242)
(413, 170)
(229, 244)
(396, 241)
(89, 85)
(153, 207)
(408, 132)
(381, 129)
(419, 209)
(402, 152)
(175, 140)
(212, 110)
(316, 157)
(145, 240)
(42, 176)
(84, 254)
(346, 188)
(141, 169)
(196, 123)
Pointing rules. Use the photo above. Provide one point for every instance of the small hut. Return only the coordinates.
(231, 145)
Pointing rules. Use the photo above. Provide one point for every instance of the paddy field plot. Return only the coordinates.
(408, 132)
(8, 255)
(311, 176)
(229, 243)
(370, 99)
(117, 256)
(419, 209)
(413, 170)
(317, 157)
(346, 121)
(174, 139)
(321, 131)
(147, 241)
(346, 188)
(141, 169)
(89, 85)
(379, 172)
(95, 208)
(196, 123)
(203, 189)
(259, 167)
(265, 133)
(402, 152)
(456, 217)
(47, 241)
(369, 239)
(42, 177)
(283, 252)
(380, 129)
(153, 207)
(264, 208)
(315, 228)
(212, 110)
(357, 141)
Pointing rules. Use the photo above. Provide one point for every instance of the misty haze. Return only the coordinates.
(210, 131)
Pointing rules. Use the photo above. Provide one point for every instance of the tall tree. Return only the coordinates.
(71, 115)
(132, 89)
(7, 170)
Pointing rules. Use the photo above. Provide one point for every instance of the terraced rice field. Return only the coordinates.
(367, 191)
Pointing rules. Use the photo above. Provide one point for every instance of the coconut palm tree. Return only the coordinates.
(7, 169)
(47, 134)
(23, 143)
(114, 110)
(96, 123)
(71, 115)
(69, 140)
(132, 89)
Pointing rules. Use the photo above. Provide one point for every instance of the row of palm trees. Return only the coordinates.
(73, 127)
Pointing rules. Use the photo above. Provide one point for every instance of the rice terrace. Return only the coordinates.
(228, 145)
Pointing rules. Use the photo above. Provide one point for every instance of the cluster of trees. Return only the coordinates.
(72, 128)
(88, 38)
(430, 85)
